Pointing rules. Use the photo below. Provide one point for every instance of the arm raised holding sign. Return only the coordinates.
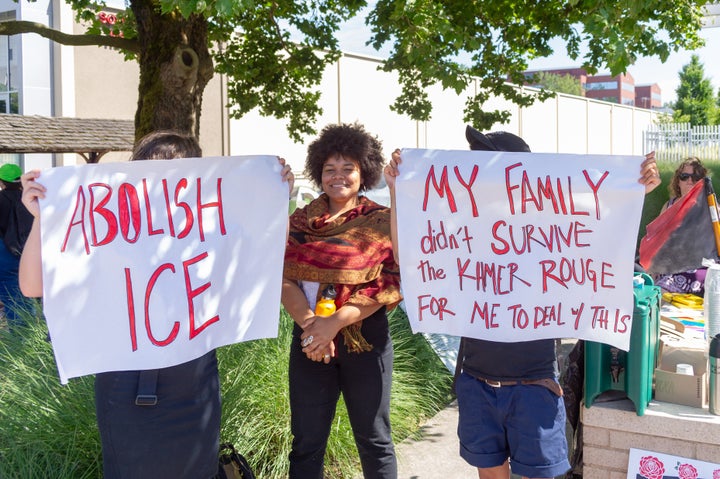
(509, 398)
(341, 239)
(138, 412)
(31, 259)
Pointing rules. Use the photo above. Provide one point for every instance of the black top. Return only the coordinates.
(510, 361)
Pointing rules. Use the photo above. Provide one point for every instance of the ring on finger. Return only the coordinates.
(307, 341)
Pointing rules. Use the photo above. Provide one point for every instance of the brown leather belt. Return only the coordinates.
(548, 383)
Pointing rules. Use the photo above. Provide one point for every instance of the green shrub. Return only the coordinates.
(48, 430)
(256, 409)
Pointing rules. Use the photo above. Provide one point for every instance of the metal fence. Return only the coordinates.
(677, 141)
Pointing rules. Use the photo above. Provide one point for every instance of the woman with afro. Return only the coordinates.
(341, 239)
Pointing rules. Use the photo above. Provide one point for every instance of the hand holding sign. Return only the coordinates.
(518, 246)
(187, 261)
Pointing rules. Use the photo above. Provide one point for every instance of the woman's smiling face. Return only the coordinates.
(341, 179)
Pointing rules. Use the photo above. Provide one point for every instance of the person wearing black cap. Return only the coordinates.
(511, 411)
(15, 223)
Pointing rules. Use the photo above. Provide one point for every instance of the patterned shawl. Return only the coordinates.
(352, 252)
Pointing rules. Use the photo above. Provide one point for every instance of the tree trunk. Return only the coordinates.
(175, 67)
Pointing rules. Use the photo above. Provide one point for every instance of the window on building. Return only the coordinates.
(601, 85)
(9, 69)
(628, 87)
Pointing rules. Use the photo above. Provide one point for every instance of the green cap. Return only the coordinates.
(10, 172)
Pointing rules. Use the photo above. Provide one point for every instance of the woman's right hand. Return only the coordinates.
(32, 192)
(391, 170)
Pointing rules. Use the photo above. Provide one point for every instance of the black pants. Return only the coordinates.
(364, 379)
(178, 437)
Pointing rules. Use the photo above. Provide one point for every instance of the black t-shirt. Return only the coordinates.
(15, 220)
(510, 361)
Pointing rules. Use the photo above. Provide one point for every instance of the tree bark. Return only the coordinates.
(175, 66)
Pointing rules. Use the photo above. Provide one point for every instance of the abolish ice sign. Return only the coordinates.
(149, 264)
(519, 246)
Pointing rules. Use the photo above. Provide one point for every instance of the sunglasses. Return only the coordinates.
(687, 176)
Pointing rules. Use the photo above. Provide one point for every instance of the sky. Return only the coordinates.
(645, 71)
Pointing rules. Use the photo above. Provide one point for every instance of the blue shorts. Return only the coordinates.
(525, 423)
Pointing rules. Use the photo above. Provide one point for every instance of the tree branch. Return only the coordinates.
(20, 26)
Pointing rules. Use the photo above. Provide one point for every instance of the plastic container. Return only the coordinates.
(711, 302)
(714, 380)
(326, 304)
(608, 368)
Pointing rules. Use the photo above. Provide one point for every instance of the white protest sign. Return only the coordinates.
(519, 246)
(149, 264)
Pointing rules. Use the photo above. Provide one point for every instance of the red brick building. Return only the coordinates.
(648, 96)
(616, 89)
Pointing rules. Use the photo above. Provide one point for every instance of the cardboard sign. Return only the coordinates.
(150, 264)
(518, 246)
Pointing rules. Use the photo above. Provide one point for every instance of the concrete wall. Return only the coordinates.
(611, 429)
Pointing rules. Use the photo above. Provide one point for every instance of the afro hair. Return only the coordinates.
(350, 141)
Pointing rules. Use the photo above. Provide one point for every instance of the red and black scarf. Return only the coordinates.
(353, 252)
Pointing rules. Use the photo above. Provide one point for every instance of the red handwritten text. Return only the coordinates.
(118, 214)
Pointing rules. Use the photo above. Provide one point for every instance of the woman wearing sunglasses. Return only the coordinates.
(689, 172)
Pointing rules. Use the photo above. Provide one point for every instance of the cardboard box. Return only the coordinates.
(682, 388)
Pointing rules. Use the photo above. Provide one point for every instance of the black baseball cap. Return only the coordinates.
(495, 141)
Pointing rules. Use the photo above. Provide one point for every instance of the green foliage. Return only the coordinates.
(256, 410)
(559, 83)
(48, 431)
(274, 53)
(696, 103)
(450, 41)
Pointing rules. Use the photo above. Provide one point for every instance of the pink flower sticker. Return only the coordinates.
(687, 471)
(652, 468)
(716, 474)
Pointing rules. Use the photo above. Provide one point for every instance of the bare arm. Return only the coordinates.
(295, 303)
(391, 172)
(31, 283)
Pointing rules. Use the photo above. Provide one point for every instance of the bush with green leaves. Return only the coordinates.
(48, 430)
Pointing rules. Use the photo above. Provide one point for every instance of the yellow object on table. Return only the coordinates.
(683, 300)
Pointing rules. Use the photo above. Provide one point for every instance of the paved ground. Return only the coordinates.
(436, 455)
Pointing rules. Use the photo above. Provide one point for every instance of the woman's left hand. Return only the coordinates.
(323, 331)
(649, 175)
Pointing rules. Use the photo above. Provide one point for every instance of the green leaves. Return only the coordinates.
(696, 103)
(275, 51)
(450, 41)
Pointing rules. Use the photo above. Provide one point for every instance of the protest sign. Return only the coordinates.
(150, 264)
(519, 246)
